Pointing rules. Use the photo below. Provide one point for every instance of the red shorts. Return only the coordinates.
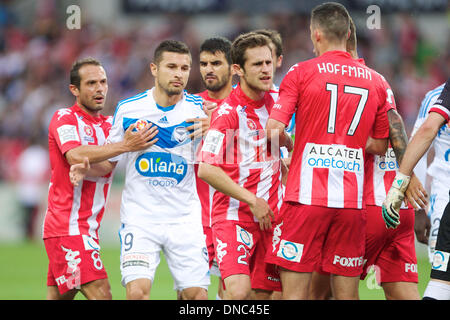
(209, 245)
(305, 236)
(240, 249)
(73, 261)
(392, 252)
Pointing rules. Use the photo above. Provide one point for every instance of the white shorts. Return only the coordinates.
(438, 201)
(183, 245)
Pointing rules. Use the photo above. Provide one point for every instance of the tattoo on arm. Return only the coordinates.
(397, 134)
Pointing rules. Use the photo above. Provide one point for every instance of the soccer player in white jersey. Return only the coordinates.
(438, 171)
(74, 214)
(160, 209)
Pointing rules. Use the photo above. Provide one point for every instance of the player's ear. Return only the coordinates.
(153, 68)
(74, 90)
(279, 61)
(237, 69)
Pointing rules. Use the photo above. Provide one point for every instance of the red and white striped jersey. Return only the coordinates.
(74, 210)
(236, 142)
(204, 190)
(338, 102)
(380, 171)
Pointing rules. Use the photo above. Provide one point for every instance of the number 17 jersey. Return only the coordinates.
(339, 103)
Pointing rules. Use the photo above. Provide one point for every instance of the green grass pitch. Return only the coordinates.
(23, 275)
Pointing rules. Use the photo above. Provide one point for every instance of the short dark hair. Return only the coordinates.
(247, 41)
(275, 37)
(169, 46)
(75, 78)
(333, 18)
(216, 44)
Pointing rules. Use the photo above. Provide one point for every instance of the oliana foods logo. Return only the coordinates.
(165, 169)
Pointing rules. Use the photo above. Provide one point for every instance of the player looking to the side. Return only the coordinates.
(74, 214)
(438, 116)
(215, 70)
(236, 162)
(339, 103)
(160, 209)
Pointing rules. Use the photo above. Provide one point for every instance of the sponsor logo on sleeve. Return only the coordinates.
(68, 133)
(213, 142)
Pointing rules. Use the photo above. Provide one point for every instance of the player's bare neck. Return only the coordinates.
(93, 113)
(165, 100)
(332, 46)
(252, 93)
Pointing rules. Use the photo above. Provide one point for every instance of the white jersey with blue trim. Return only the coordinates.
(159, 181)
(440, 167)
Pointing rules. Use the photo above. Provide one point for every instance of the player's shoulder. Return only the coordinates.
(65, 114)
(132, 101)
(429, 99)
(195, 99)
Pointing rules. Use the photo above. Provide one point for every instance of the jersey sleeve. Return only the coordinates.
(381, 125)
(442, 104)
(116, 133)
(286, 103)
(218, 142)
(64, 129)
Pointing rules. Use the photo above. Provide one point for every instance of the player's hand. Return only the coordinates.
(263, 213)
(140, 139)
(199, 128)
(422, 226)
(416, 194)
(392, 203)
(288, 142)
(201, 125)
(78, 171)
(209, 107)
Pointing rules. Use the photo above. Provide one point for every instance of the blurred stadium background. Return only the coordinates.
(411, 49)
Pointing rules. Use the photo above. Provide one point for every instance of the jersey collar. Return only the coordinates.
(86, 115)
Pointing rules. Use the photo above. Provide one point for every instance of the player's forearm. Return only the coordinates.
(220, 181)
(397, 134)
(420, 143)
(101, 169)
(95, 153)
(277, 136)
(376, 146)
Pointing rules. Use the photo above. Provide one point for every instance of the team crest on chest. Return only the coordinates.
(140, 124)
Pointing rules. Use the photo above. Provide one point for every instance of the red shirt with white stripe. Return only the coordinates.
(75, 210)
(204, 190)
(338, 102)
(380, 171)
(236, 142)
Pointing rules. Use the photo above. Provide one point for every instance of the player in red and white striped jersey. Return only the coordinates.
(216, 73)
(74, 213)
(339, 103)
(236, 162)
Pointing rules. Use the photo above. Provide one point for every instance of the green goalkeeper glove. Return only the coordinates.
(393, 201)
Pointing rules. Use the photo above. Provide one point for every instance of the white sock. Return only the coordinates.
(437, 290)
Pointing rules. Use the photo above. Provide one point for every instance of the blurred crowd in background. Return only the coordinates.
(35, 62)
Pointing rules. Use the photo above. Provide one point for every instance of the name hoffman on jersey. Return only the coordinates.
(351, 71)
